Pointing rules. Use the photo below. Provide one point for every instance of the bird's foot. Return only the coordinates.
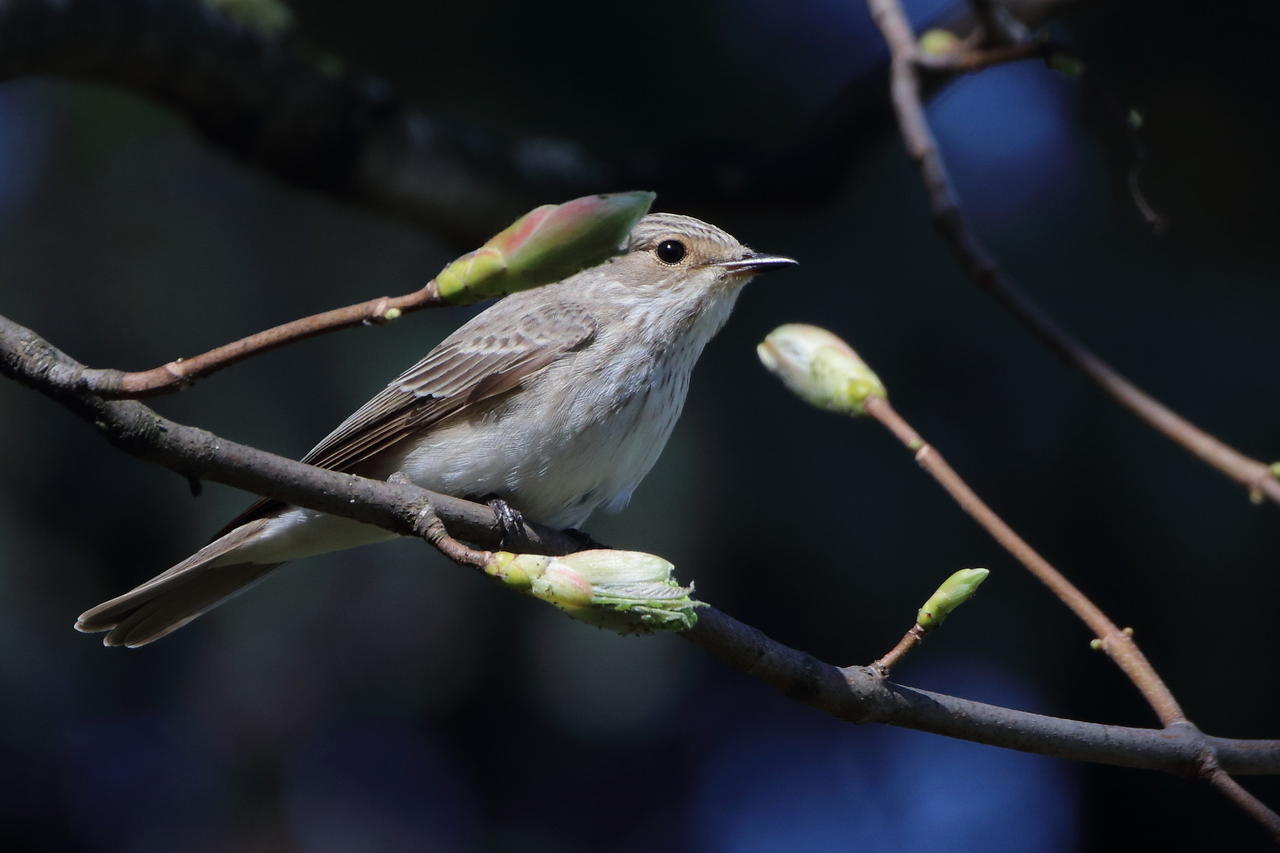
(510, 521)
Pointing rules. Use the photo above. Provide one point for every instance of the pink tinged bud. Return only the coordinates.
(820, 368)
(547, 244)
(624, 591)
(563, 587)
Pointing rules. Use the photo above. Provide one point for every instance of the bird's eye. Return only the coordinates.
(670, 251)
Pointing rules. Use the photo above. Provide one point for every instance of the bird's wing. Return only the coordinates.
(491, 355)
(476, 363)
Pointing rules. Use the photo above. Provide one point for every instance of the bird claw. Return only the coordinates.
(510, 521)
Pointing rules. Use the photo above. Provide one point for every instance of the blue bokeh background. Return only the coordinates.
(382, 699)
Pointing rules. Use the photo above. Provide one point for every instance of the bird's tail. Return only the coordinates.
(174, 597)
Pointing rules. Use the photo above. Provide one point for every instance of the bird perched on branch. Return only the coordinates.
(550, 403)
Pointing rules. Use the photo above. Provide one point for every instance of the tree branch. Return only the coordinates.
(950, 221)
(547, 244)
(178, 374)
(1118, 644)
(856, 694)
(200, 455)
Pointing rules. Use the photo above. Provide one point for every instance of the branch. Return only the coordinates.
(955, 590)
(197, 454)
(951, 223)
(181, 372)
(547, 244)
(953, 226)
(824, 371)
(1118, 644)
(856, 694)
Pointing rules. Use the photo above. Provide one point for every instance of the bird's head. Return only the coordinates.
(682, 256)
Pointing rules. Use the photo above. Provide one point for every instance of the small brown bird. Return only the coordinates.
(553, 401)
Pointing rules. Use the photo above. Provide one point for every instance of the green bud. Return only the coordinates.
(820, 368)
(514, 569)
(938, 42)
(545, 245)
(955, 590)
(625, 591)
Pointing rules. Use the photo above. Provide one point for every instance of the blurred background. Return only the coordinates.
(384, 699)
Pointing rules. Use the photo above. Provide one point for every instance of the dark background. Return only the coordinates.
(383, 699)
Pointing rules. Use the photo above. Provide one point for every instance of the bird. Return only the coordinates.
(549, 404)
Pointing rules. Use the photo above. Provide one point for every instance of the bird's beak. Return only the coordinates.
(754, 262)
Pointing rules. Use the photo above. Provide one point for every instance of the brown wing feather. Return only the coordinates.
(491, 355)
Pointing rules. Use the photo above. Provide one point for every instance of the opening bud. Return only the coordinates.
(625, 591)
(820, 368)
(545, 245)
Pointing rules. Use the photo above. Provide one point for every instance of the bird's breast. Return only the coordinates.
(580, 434)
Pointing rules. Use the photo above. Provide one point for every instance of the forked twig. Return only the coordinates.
(952, 225)
(852, 693)
(1117, 643)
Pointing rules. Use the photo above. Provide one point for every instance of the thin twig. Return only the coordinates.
(1131, 119)
(1114, 641)
(952, 225)
(1149, 214)
(856, 694)
(1117, 643)
(889, 660)
(431, 528)
(178, 374)
(1248, 803)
